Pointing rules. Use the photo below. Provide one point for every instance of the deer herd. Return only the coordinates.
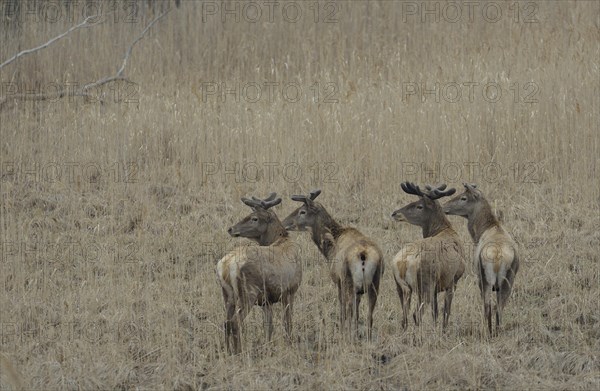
(271, 271)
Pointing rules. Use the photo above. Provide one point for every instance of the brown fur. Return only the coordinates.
(259, 275)
(431, 265)
(495, 257)
(356, 261)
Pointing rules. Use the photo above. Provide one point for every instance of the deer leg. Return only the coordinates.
(231, 329)
(349, 315)
(342, 302)
(448, 305)
(372, 301)
(426, 292)
(418, 314)
(401, 296)
(417, 309)
(245, 303)
(268, 320)
(355, 310)
(486, 295)
(434, 306)
(504, 290)
(287, 316)
(487, 306)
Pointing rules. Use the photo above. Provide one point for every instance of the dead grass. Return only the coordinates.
(108, 274)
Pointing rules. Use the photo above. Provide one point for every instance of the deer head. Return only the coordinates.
(465, 203)
(306, 215)
(259, 224)
(425, 212)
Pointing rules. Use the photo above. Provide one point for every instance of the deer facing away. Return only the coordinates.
(259, 275)
(356, 261)
(495, 257)
(433, 264)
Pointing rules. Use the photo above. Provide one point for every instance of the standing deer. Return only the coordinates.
(259, 275)
(357, 262)
(495, 256)
(433, 264)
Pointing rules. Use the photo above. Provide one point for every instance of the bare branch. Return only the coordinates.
(119, 74)
(84, 90)
(85, 23)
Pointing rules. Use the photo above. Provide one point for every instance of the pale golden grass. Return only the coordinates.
(111, 284)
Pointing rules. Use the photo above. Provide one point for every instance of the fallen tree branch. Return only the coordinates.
(65, 92)
(84, 91)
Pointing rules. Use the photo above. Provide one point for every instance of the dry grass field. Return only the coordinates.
(114, 208)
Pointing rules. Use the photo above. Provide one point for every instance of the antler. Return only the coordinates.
(265, 204)
(438, 192)
(270, 197)
(314, 194)
(307, 199)
(411, 188)
(271, 203)
(431, 192)
(254, 203)
(440, 187)
(470, 185)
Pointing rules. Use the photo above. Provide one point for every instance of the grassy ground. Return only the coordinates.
(114, 213)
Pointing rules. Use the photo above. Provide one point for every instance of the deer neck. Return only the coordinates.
(274, 232)
(481, 220)
(436, 224)
(325, 233)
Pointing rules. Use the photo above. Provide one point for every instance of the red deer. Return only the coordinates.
(433, 264)
(357, 262)
(495, 257)
(259, 275)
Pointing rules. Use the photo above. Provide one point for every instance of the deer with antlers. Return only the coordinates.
(433, 264)
(496, 259)
(259, 275)
(357, 262)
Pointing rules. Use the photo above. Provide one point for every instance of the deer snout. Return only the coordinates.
(232, 233)
(398, 216)
(288, 224)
